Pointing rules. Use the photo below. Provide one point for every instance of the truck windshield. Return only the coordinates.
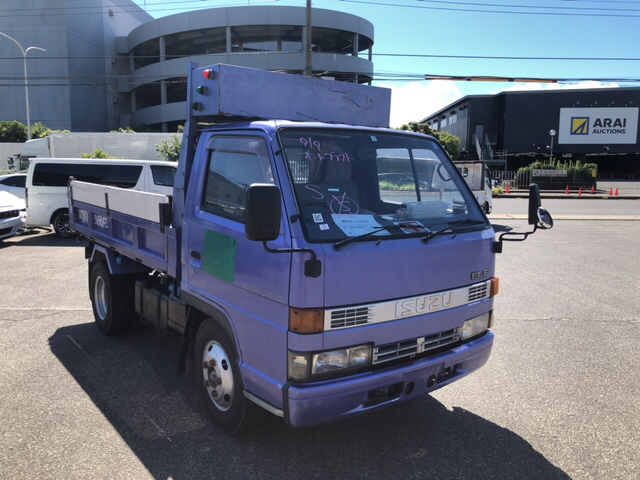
(351, 182)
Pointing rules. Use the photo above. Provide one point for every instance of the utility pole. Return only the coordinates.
(308, 68)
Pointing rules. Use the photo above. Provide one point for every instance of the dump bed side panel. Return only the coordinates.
(134, 224)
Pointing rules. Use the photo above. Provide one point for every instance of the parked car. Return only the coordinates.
(14, 184)
(12, 214)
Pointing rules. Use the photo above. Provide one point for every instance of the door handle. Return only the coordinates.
(196, 255)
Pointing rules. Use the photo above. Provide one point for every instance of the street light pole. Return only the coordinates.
(26, 83)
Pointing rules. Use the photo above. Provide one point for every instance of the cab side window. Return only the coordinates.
(234, 164)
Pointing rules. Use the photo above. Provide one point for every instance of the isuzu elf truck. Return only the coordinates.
(302, 282)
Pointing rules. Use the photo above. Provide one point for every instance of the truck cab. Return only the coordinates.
(389, 292)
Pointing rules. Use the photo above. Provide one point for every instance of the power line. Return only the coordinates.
(97, 10)
(476, 10)
(408, 55)
(506, 5)
(378, 76)
(493, 57)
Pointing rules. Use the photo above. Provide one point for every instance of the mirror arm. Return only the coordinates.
(520, 237)
(312, 268)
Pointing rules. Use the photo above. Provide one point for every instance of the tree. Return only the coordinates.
(170, 149)
(450, 142)
(124, 130)
(40, 130)
(97, 153)
(419, 128)
(13, 132)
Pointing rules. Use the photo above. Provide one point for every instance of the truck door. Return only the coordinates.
(224, 267)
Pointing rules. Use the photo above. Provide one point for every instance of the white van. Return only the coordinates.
(47, 180)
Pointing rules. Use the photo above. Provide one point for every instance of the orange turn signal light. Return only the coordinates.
(495, 286)
(309, 320)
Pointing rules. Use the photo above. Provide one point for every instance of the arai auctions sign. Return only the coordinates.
(598, 125)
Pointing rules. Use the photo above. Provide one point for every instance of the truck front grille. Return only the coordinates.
(478, 292)
(410, 348)
(350, 317)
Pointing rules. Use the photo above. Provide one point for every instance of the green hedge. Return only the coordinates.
(578, 174)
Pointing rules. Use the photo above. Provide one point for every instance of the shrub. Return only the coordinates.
(97, 153)
(576, 171)
(170, 149)
(384, 185)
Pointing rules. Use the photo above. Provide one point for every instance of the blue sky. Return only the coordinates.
(531, 28)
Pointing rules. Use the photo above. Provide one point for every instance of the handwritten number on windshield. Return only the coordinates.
(310, 143)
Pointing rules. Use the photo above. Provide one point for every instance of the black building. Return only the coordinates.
(512, 129)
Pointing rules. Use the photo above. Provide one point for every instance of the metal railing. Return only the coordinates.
(478, 148)
(510, 177)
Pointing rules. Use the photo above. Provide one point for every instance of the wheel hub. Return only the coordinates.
(217, 375)
(100, 297)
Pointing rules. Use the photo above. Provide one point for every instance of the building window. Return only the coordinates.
(453, 118)
(443, 122)
(266, 38)
(146, 53)
(196, 42)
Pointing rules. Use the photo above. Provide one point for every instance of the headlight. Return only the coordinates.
(328, 362)
(476, 325)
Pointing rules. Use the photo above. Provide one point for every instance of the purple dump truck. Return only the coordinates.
(304, 280)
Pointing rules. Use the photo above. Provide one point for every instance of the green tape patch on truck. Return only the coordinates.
(219, 257)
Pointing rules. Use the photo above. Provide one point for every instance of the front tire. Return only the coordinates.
(217, 377)
(111, 298)
(60, 223)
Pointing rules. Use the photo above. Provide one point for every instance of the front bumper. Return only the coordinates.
(315, 404)
(9, 226)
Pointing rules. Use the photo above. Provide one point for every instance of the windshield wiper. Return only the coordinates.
(450, 228)
(346, 241)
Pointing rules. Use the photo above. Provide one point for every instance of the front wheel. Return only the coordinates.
(60, 223)
(111, 298)
(217, 376)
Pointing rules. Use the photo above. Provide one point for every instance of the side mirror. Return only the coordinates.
(538, 217)
(534, 203)
(263, 212)
(544, 219)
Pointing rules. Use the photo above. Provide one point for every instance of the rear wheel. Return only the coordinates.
(111, 298)
(60, 223)
(217, 376)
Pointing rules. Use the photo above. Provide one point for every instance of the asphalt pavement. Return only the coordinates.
(558, 398)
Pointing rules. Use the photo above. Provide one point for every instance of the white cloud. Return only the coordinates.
(414, 101)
